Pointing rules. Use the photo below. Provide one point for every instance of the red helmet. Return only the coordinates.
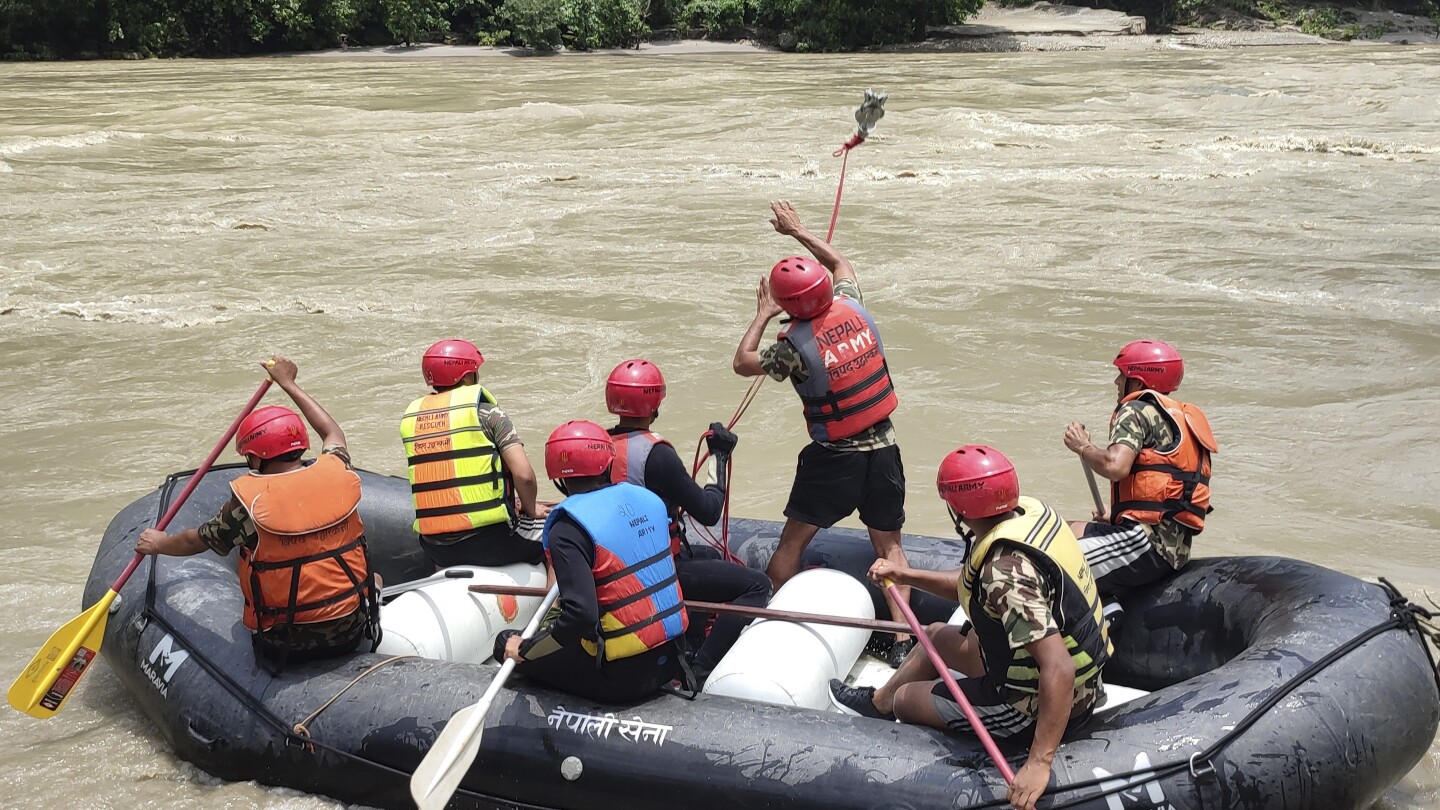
(271, 431)
(978, 482)
(635, 388)
(578, 449)
(1153, 363)
(802, 287)
(445, 363)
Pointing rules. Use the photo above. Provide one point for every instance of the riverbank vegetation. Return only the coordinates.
(139, 28)
(1323, 19)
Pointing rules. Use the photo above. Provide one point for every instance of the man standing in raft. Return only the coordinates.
(1159, 461)
(464, 458)
(643, 457)
(831, 352)
(620, 605)
(291, 521)
(1034, 654)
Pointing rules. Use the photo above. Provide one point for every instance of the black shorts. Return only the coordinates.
(491, 545)
(624, 680)
(830, 485)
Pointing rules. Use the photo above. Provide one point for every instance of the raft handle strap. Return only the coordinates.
(167, 491)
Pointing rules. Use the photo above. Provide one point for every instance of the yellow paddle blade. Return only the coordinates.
(42, 688)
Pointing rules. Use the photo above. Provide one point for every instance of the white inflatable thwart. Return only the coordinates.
(442, 619)
(790, 663)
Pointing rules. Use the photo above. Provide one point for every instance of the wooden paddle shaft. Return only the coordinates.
(874, 625)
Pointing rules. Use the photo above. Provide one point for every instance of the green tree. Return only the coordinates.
(591, 24)
(409, 21)
(535, 23)
(842, 25)
(719, 17)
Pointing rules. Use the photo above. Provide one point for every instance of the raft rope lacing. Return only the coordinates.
(301, 728)
(1404, 615)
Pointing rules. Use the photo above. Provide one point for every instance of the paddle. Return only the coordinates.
(955, 692)
(733, 610)
(1094, 488)
(438, 576)
(448, 760)
(42, 688)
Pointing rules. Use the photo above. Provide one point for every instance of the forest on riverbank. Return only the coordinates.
(68, 29)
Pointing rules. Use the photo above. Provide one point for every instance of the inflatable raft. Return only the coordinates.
(1272, 683)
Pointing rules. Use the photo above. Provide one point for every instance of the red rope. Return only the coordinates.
(839, 189)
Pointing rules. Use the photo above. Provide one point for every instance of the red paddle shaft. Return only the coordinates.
(195, 479)
(924, 639)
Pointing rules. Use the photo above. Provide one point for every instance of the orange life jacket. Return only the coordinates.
(1170, 484)
(310, 563)
(632, 450)
(849, 386)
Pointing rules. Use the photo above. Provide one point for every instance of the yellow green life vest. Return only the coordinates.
(456, 478)
(1042, 536)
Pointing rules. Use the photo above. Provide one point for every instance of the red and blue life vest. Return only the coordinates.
(636, 585)
(632, 451)
(849, 387)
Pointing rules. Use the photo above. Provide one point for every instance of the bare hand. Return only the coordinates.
(281, 369)
(1077, 438)
(765, 306)
(149, 541)
(541, 511)
(787, 220)
(883, 569)
(1030, 783)
(512, 649)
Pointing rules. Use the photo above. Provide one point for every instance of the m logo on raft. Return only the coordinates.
(1135, 792)
(162, 664)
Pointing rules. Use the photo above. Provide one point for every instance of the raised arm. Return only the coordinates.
(747, 355)
(787, 221)
(283, 371)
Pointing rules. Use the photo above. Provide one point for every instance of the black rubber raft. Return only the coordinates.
(1275, 684)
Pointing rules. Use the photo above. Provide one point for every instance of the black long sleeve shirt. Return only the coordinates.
(572, 553)
(666, 476)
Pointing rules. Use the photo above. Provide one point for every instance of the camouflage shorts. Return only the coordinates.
(298, 642)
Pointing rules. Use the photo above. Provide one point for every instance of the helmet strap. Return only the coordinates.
(961, 528)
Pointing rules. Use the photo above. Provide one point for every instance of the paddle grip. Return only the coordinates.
(195, 478)
(940, 667)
